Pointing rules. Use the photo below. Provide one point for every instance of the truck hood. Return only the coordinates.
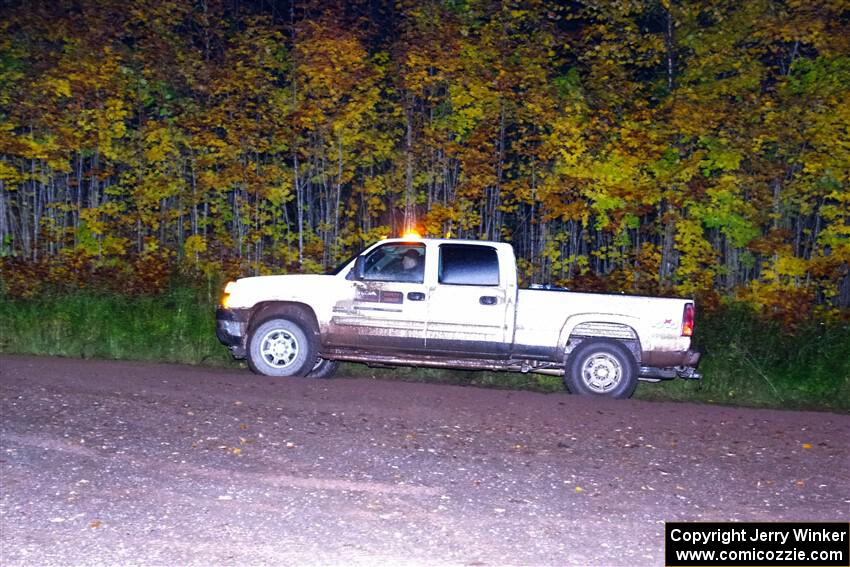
(296, 287)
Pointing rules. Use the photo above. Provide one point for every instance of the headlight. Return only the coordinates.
(225, 298)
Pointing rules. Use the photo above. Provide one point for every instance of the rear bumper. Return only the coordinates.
(670, 358)
(672, 365)
(231, 329)
(689, 371)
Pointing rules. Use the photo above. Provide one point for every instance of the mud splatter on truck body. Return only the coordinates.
(463, 309)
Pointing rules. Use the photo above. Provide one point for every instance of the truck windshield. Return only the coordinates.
(342, 266)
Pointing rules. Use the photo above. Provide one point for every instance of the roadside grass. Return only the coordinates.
(752, 362)
(746, 361)
(174, 327)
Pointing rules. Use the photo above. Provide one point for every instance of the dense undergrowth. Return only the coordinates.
(177, 326)
(747, 359)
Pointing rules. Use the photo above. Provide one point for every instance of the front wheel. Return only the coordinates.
(601, 368)
(280, 347)
(324, 368)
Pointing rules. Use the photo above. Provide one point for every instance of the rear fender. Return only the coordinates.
(579, 328)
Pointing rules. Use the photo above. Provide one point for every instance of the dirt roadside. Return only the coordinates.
(106, 463)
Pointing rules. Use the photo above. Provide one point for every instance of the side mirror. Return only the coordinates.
(357, 271)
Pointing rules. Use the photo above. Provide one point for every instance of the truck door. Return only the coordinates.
(385, 309)
(467, 307)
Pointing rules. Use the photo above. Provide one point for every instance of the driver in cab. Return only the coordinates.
(411, 267)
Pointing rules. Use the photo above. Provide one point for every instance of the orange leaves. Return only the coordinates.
(789, 304)
(611, 152)
(334, 75)
(332, 60)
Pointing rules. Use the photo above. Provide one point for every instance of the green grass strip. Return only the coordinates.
(174, 327)
(746, 361)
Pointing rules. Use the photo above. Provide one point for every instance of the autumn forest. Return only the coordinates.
(645, 146)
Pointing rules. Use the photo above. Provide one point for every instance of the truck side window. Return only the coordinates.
(396, 263)
(465, 264)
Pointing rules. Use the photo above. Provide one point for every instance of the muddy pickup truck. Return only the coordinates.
(454, 304)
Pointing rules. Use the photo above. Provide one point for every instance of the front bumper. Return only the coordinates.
(231, 329)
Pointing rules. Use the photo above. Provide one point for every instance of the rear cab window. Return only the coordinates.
(468, 264)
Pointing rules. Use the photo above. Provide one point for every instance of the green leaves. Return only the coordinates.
(720, 157)
(640, 145)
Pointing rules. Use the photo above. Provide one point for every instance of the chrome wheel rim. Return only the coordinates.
(279, 348)
(601, 373)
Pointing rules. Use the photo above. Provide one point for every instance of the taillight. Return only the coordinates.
(688, 320)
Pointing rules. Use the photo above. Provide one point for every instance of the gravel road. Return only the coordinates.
(117, 463)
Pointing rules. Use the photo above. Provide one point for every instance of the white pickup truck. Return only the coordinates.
(453, 304)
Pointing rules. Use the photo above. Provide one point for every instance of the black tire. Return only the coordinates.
(281, 347)
(601, 367)
(324, 368)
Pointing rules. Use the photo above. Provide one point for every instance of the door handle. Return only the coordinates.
(487, 300)
(415, 296)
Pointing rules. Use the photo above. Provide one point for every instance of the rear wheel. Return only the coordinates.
(601, 367)
(281, 347)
